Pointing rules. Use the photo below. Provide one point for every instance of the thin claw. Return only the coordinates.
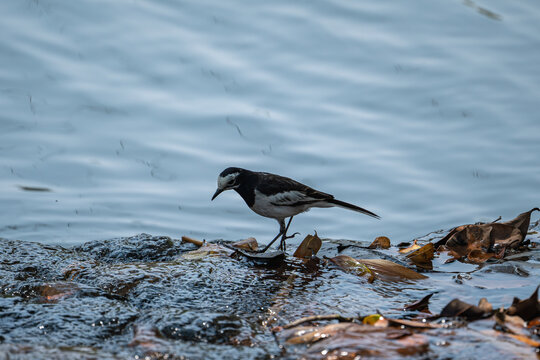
(291, 236)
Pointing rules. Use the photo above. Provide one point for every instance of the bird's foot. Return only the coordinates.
(285, 237)
(282, 245)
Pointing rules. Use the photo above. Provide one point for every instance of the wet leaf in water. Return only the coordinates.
(371, 319)
(249, 244)
(413, 247)
(312, 318)
(422, 257)
(352, 265)
(460, 308)
(526, 309)
(414, 324)
(381, 242)
(147, 337)
(207, 250)
(309, 247)
(390, 271)
(479, 242)
(351, 340)
(420, 305)
(54, 292)
(521, 222)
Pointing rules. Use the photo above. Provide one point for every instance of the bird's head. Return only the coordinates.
(228, 179)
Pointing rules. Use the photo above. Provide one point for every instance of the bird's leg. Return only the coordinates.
(282, 230)
(284, 236)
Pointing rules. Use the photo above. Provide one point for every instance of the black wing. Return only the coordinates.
(289, 191)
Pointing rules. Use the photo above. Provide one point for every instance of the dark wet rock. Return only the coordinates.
(207, 327)
(142, 247)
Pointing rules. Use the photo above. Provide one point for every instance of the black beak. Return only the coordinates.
(218, 191)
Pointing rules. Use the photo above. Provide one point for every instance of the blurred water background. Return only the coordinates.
(117, 116)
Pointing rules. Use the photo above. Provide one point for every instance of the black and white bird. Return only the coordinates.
(277, 197)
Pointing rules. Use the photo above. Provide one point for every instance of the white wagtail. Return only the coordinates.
(277, 197)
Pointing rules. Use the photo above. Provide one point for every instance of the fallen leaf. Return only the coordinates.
(54, 292)
(371, 319)
(313, 318)
(420, 305)
(249, 244)
(485, 305)
(422, 257)
(318, 333)
(522, 221)
(413, 247)
(207, 250)
(354, 266)
(460, 308)
(390, 271)
(381, 242)
(351, 340)
(526, 309)
(309, 247)
(414, 323)
(147, 337)
(478, 242)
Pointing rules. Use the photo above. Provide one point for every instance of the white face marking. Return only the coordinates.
(227, 181)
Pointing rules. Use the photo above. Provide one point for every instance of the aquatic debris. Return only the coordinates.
(413, 247)
(208, 249)
(478, 243)
(53, 292)
(314, 318)
(390, 271)
(422, 257)
(354, 266)
(458, 308)
(309, 247)
(420, 305)
(527, 309)
(381, 242)
(249, 244)
(187, 239)
(349, 340)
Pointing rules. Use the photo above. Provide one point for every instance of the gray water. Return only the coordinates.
(425, 112)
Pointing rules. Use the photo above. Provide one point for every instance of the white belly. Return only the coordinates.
(265, 206)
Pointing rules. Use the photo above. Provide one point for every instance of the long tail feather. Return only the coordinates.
(345, 205)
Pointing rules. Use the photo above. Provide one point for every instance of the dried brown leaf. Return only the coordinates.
(460, 308)
(422, 257)
(527, 309)
(390, 271)
(309, 247)
(381, 242)
(413, 247)
(414, 324)
(354, 266)
(420, 305)
(249, 244)
(478, 242)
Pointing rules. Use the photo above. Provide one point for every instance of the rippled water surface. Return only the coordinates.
(116, 117)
